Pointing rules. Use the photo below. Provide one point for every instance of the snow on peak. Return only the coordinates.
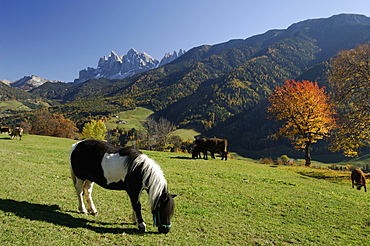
(169, 57)
(120, 67)
(30, 82)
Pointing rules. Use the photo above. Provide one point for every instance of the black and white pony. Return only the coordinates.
(116, 168)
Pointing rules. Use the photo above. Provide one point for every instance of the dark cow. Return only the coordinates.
(213, 145)
(358, 179)
(5, 129)
(17, 131)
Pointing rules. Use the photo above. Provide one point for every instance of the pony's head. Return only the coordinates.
(359, 186)
(163, 213)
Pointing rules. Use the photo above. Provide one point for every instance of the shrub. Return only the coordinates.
(266, 160)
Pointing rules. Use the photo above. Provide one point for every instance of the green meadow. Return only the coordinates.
(136, 117)
(12, 105)
(132, 118)
(233, 202)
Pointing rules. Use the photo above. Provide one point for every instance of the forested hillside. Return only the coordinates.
(31, 101)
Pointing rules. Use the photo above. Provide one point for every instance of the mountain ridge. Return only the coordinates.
(27, 83)
(120, 67)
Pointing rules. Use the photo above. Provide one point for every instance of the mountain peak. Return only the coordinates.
(5, 81)
(115, 57)
(132, 51)
(120, 67)
(169, 57)
(30, 82)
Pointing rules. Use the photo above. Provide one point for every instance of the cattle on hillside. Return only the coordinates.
(213, 145)
(5, 129)
(358, 179)
(17, 131)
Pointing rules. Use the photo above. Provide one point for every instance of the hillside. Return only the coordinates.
(220, 89)
(66, 92)
(14, 101)
(7, 93)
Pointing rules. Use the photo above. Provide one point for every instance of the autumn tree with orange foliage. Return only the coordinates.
(48, 124)
(305, 111)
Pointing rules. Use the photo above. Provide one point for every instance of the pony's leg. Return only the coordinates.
(79, 184)
(136, 213)
(133, 216)
(87, 192)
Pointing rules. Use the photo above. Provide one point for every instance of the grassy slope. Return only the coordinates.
(137, 116)
(219, 202)
(134, 119)
(13, 105)
(186, 134)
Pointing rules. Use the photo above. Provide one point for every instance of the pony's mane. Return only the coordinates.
(153, 178)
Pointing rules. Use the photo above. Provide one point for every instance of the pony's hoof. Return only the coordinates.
(142, 227)
(163, 229)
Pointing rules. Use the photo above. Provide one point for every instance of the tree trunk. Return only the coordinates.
(308, 153)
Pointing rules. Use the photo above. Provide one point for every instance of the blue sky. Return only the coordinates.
(55, 39)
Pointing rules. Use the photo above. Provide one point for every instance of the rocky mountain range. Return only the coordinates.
(169, 57)
(120, 67)
(111, 67)
(28, 83)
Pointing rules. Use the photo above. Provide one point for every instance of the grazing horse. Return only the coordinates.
(17, 131)
(358, 179)
(117, 168)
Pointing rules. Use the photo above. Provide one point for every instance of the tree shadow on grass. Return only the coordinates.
(182, 158)
(53, 215)
(323, 175)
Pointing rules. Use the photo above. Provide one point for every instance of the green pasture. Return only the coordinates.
(231, 202)
(12, 105)
(186, 134)
(136, 117)
(133, 118)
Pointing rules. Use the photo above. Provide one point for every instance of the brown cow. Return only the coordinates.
(17, 131)
(213, 145)
(358, 179)
(5, 129)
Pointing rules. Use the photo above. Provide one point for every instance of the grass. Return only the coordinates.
(186, 134)
(12, 105)
(134, 119)
(231, 202)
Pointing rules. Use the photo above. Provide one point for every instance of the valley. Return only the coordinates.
(217, 90)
